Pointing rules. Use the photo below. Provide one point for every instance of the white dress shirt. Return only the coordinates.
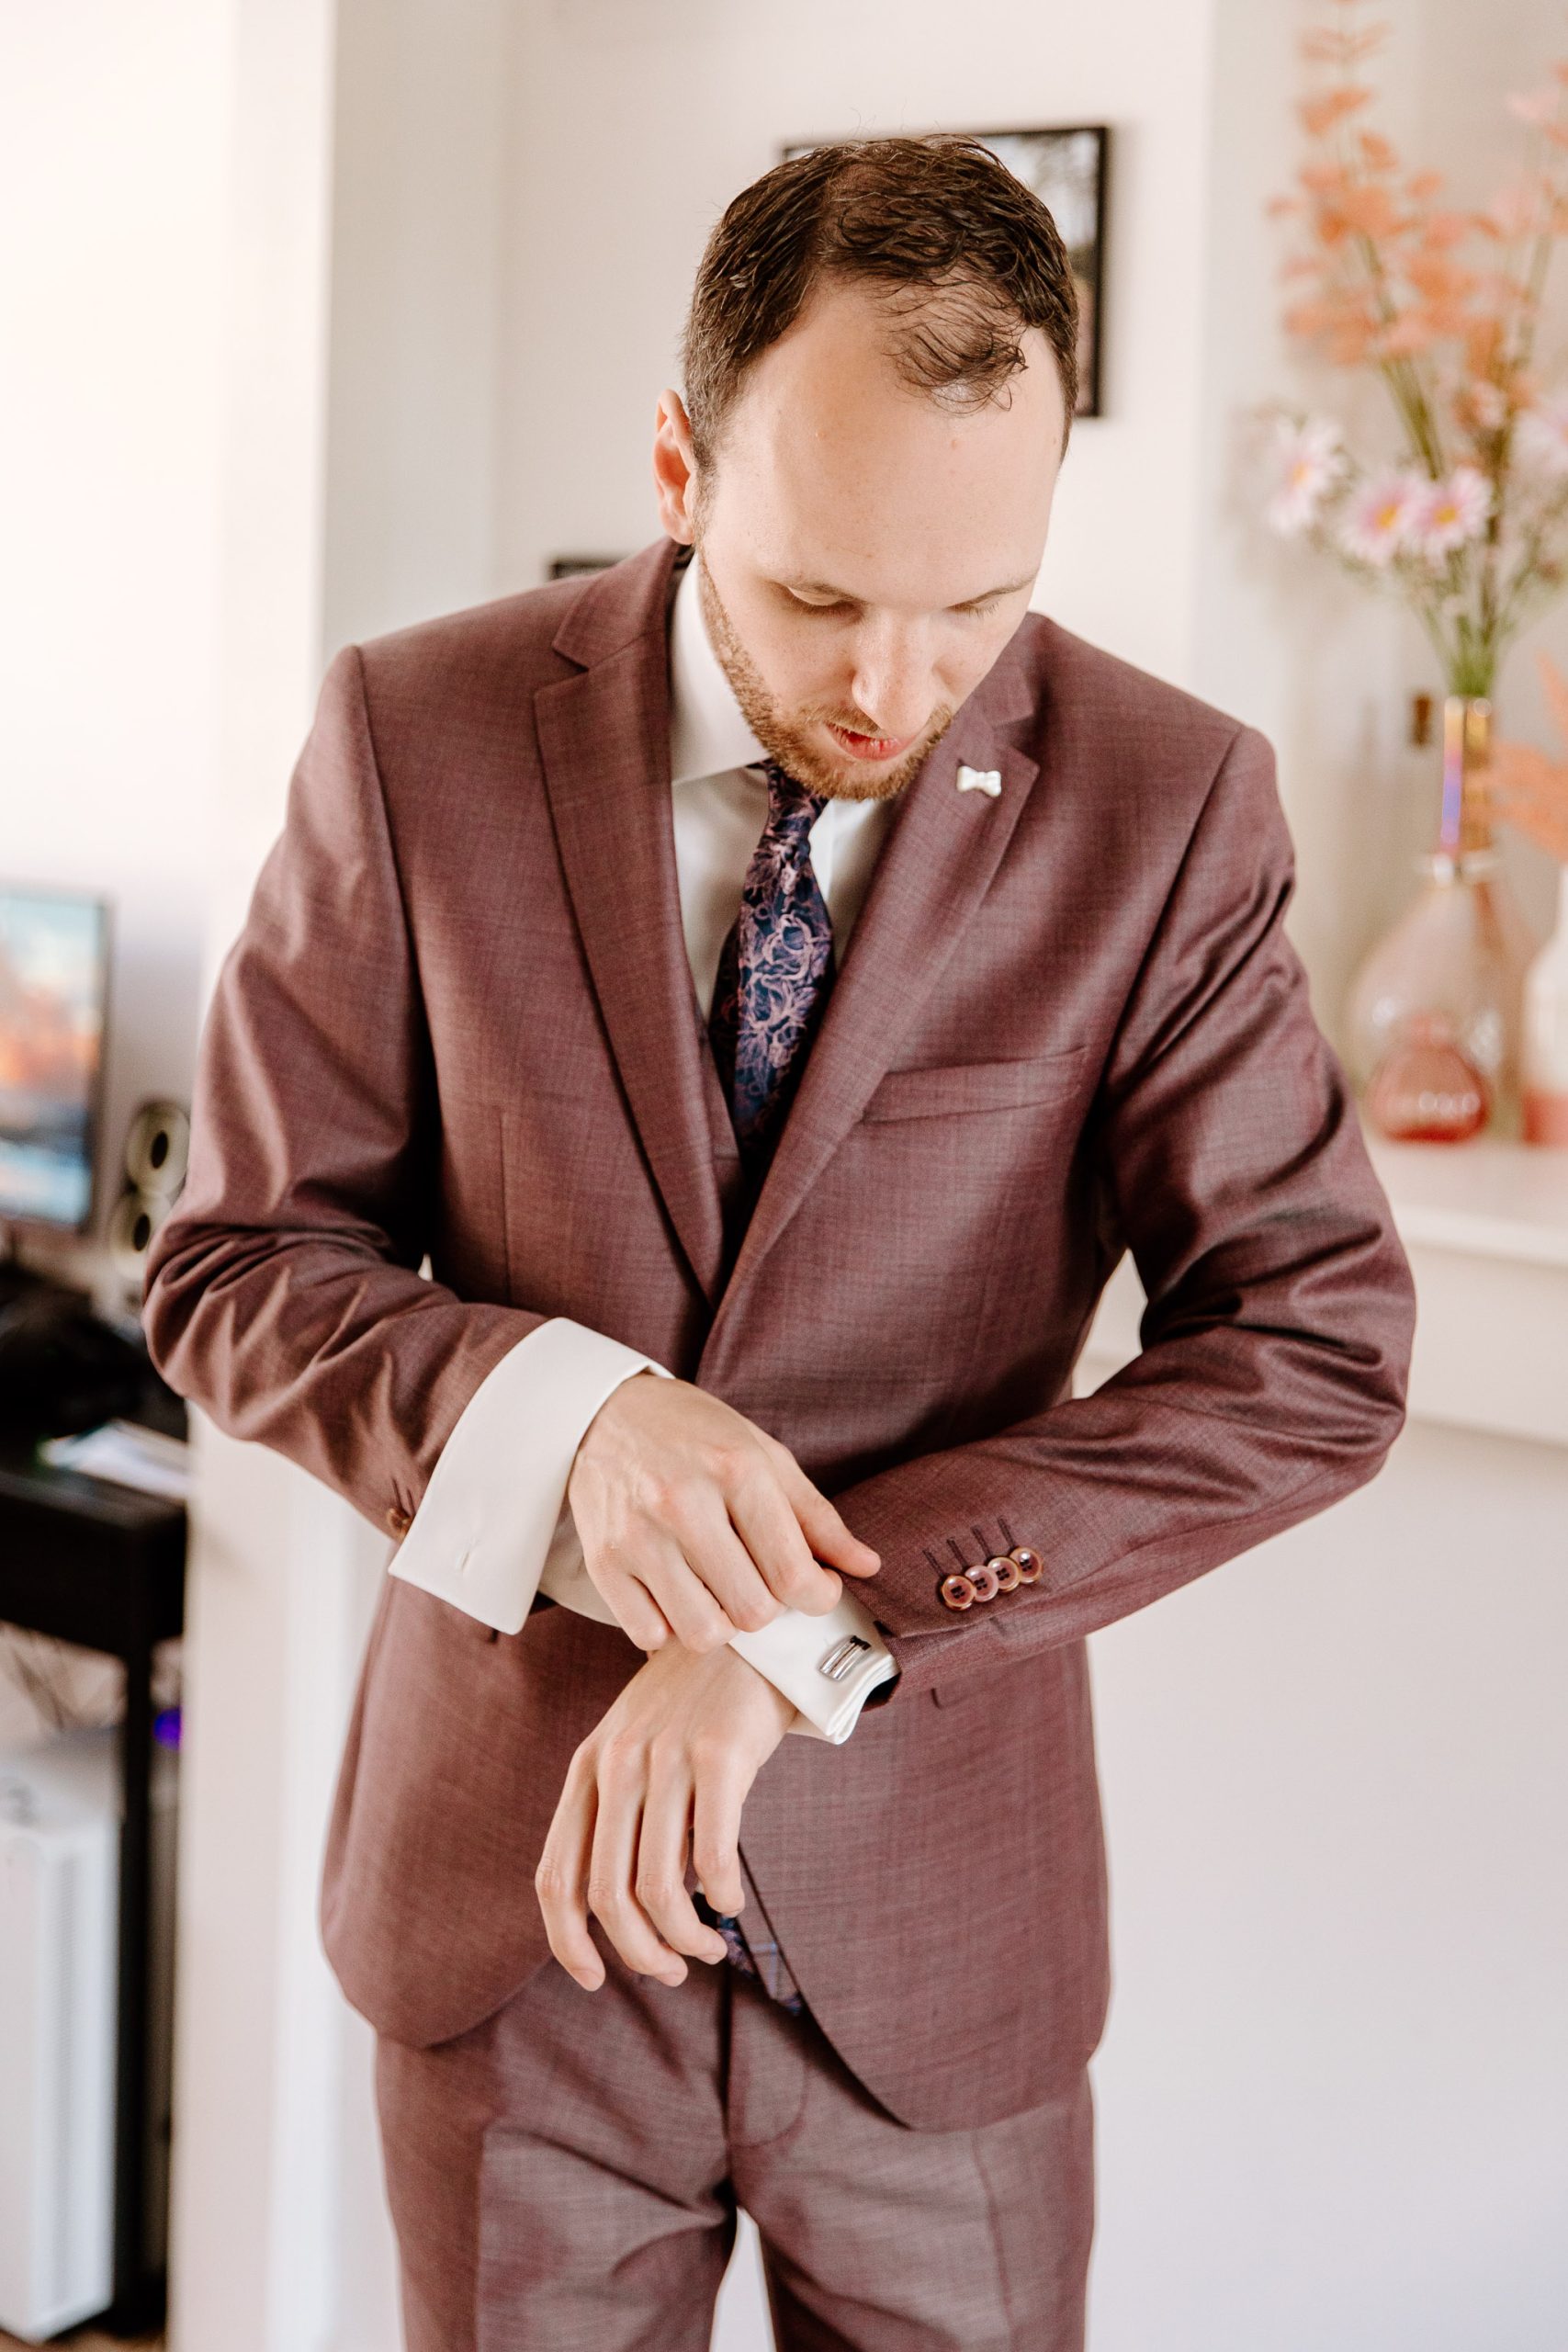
(493, 1527)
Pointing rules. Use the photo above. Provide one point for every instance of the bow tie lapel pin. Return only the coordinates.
(987, 780)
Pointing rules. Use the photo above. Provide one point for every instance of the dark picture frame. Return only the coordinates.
(1068, 168)
(568, 567)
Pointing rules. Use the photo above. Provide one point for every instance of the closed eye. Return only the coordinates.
(976, 612)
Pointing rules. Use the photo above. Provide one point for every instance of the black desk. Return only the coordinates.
(104, 1565)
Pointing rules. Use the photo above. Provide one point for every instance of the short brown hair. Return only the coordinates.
(969, 256)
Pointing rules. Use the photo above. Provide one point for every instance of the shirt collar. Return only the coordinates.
(708, 730)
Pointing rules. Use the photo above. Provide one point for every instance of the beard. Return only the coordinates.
(786, 738)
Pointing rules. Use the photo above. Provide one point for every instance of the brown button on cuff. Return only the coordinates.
(1005, 1569)
(1030, 1563)
(398, 1521)
(958, 1592)
(985, 1582)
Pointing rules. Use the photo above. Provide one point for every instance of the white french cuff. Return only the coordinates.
(487, 1520)
(829, 1666)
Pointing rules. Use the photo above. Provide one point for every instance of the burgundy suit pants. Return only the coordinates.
(565, 2178)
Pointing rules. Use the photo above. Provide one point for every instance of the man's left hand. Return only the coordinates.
(663, 1776)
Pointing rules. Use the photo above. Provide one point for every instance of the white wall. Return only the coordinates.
(420, 217)
(1331, 2093)
(113, 129)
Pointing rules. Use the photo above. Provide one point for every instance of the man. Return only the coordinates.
(772, 982)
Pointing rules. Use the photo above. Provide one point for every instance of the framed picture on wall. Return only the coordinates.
(1067, 170)
(567, 567)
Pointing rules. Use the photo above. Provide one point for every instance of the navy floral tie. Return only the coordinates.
(774, 972)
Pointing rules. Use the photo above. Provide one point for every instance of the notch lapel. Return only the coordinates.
(604, 747)
(935, 868)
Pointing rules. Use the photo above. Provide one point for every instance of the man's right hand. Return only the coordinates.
(694, 1523)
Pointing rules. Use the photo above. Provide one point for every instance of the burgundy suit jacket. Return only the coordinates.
(459, 1021)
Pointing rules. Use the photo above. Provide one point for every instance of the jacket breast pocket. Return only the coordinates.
(966, 1090)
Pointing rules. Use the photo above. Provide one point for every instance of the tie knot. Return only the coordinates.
(791, 809)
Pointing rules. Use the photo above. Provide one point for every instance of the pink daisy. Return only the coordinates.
(1451, 512)
(1310, 461)
(1377, 523)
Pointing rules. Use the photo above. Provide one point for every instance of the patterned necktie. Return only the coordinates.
(774, 972)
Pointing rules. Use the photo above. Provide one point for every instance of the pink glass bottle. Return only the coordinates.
(1460, 950)
(1424, 1090)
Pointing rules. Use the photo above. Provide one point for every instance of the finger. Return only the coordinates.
(696, 1572)
(823, 1528)
(636, 1612)
(612, 1866)
(717, 1797)
(661, 1865)
(772, 1535)
(559, 1880)
(624, 1576)
(716, 1554)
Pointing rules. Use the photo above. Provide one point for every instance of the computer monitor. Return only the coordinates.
(53, 1004)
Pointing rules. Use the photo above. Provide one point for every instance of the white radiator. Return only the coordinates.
(58, 1895)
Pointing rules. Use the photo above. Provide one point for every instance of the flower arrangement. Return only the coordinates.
(1469, 524)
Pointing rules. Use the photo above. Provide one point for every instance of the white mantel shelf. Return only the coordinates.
(1487, 1199)
(1485, 1227)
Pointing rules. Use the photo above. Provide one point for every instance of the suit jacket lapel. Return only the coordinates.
(935, 865)
(605, 746)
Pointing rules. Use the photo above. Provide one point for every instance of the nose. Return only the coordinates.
(892, 686)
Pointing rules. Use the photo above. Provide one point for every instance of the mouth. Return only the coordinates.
(868, 747)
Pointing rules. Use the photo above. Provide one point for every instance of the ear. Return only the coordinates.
(674, 467)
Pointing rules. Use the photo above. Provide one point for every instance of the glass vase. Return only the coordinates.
(1453, 964)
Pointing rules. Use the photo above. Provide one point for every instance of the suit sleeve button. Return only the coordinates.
(398, 1521)
(1007, 1572)
(986, 1582)
(1028, 1564)
(958, 1592)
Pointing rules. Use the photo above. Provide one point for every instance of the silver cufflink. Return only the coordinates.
(844, 1657)
(987, 780)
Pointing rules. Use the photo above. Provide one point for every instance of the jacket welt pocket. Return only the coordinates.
(966, 1088)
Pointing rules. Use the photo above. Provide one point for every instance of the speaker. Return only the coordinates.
(157, 1153)
(157, 1150)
